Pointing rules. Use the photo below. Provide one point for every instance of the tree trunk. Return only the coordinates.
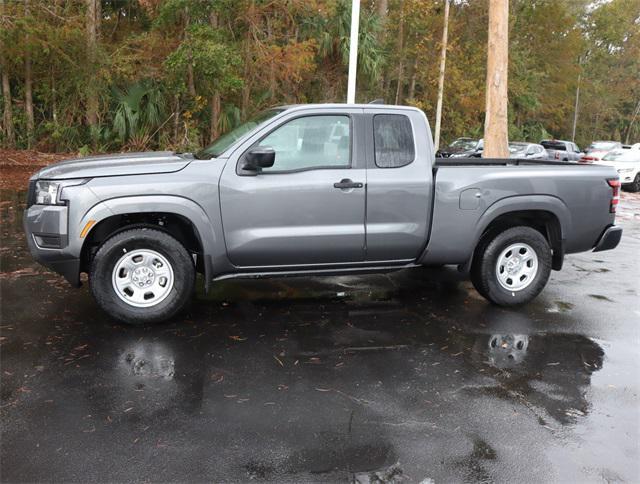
(496, 122)
(176, 119)
(401, 52)
(214, 130)
(28, 85)
(9, 133)
(382, 8)
(7, 119)
(633, 120)
(191, 84)
(412, 79)
(443, 62)
(246, 88)
(54, 102)
(272, 65)
(92, 21)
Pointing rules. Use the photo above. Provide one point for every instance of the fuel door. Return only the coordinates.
(470, 199)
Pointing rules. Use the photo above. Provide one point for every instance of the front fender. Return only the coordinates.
(210, 238)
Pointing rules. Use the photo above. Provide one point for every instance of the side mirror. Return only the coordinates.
(258, 158)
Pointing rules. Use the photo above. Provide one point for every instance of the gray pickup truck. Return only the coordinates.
(312, 190)
(561, 150)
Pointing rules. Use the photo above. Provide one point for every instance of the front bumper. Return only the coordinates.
(46, 229)
(609, 239)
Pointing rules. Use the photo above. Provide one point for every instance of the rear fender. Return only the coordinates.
(465, 245)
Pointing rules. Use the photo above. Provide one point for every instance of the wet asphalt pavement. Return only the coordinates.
(402, 377)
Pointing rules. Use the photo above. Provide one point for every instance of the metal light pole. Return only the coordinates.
(353, 51)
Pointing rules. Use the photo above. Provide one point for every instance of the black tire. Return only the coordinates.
(483, 268)
(633, 186)
(108, 255)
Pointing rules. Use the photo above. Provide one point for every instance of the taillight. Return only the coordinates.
(615, 184)
(588, 159)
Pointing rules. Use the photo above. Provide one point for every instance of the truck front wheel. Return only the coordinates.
(511, 267)
(142, 276)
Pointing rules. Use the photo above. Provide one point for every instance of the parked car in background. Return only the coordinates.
(462, 148)
(561, 150)
(627, 164)
(598, 149)
(531, 151)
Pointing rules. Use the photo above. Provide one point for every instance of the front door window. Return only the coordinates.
(311, 142)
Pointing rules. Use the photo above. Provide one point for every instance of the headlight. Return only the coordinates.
(47, 192)
(625, 170)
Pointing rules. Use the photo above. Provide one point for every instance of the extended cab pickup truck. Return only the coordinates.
(312, 189)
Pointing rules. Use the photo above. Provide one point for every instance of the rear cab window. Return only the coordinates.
(554, 145)
(394, 146)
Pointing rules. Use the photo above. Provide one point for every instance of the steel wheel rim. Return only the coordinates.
(142, 278)
(517, 267)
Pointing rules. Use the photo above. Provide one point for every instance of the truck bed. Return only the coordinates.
(470, 192)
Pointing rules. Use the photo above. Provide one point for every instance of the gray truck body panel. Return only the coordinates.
(297, 222)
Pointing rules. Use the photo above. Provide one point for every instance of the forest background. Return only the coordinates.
(95, 76)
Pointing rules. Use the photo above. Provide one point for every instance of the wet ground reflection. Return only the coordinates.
(408, 375)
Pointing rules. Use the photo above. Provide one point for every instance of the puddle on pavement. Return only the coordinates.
(346, 362)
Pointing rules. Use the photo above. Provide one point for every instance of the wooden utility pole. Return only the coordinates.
(496, 136)
(443, 62)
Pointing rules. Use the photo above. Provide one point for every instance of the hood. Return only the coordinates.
(115, 165)
(620, 165)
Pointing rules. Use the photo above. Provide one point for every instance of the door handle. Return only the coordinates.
(347, 183)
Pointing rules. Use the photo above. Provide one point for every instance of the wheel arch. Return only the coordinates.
(547, 214)
(177, 216)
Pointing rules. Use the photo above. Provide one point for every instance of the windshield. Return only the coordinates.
(226, 140)
(603, 145)
(464, 144)
(517, 148)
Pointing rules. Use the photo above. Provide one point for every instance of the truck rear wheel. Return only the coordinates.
(142, 276)
(511, 267)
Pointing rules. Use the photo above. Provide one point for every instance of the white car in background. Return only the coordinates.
(531, 151)
(627, 164)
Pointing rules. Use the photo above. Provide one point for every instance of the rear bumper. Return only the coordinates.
(609, 239)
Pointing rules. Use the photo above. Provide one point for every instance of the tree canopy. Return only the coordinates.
(95, 75)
